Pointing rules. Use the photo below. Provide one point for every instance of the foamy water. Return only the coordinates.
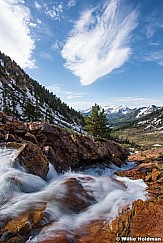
(106, 193)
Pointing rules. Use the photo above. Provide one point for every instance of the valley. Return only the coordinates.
(62, 183)
(144, 140)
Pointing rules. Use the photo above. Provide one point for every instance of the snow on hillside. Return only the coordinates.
(146, 110)
(25, 99)
(122, 109)
(113, 112)
(152, 121)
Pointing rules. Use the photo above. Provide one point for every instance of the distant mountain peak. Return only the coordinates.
(121, 114)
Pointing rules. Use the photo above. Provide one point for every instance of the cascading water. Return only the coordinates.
(69, 200)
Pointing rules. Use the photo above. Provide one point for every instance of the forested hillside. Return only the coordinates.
(25, 99)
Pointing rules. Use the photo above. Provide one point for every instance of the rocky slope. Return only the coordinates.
(39, 144)
(64, 149)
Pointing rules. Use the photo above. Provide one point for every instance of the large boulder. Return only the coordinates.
(71, 150)
(33, 160)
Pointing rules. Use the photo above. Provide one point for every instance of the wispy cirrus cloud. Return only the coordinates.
(73, 94)
(58, 90)
(16, 39)
(100, 41)
(129, 101)
(55, 88)
(155, 56)
(151, 25)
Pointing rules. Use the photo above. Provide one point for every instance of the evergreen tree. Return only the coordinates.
(96, 124)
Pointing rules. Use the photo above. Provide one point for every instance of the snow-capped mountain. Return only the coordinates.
(146, 110)
(110, 110)
(115, 111)
(122, 109)
(119, 115)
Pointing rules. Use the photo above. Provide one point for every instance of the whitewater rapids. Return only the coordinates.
(107, 194)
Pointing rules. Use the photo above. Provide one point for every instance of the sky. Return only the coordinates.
(108, 52)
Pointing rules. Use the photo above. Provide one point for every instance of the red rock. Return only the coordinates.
(144, 219)
(33, 160)
(75, 199)
(68, 150)
(73, 150)
(58, 237)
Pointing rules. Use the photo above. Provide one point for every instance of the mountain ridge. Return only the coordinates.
(120, 115)
(25, 99)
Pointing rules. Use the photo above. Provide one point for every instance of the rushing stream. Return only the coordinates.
(103, 194)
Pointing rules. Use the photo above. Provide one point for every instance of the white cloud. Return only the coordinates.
(55, 46)
(134, 101)
(15, 37)
(39, 21)
(37, 5)
(55, 12)
(46, 55)
(55, 88)
(131, 102)
(71, 3)
(156, 56)
(100, 41)
(33, 25)
(83, 105)
(72, 94)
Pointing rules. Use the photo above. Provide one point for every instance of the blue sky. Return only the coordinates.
(109, 52)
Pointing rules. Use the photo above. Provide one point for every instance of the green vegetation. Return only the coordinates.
(96, 124)
(143, 139)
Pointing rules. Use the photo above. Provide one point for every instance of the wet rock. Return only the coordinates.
(33, 160)
(17, 229)
(75, 199)
(10, 237)
(144, 219)
(58, 237)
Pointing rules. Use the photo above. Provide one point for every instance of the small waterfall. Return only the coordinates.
(70, 199)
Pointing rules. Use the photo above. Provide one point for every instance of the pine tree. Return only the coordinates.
(96, 124)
